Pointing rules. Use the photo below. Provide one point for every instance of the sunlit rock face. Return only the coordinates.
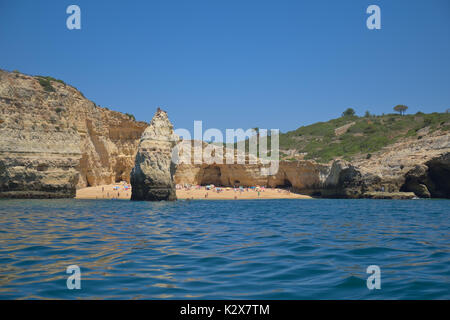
(305, 176)
(152, 175)
(53, 140)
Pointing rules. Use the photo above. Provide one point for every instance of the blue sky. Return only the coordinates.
(237, 64)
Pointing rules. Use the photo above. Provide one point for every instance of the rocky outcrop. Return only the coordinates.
(395, 163)
(417, 181)
(431, 179)
(439, 174)
(344, 181)
(53, 140)
(38, 174)
(347, 181)
(152, 174)
(389, 195)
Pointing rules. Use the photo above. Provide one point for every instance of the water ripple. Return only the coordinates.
(264, 249)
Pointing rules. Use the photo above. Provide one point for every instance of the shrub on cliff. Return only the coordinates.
(131, 116)
(46, 84)
(51, 79)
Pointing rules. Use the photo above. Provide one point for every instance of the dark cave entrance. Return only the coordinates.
(286, 184)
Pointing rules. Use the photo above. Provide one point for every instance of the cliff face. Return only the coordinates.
(53, 140)
(109, 142)
(421, 166)
(302, 175)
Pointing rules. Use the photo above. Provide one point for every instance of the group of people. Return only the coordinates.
(238, 190)
(115, 192)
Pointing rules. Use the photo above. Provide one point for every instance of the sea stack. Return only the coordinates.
(152, 176)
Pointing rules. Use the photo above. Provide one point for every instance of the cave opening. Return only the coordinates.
(285, 185)
(211, 175)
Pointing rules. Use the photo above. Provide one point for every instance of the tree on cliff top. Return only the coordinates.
(348, 112)
(400, 108)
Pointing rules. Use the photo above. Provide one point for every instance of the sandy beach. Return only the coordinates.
(108, 192)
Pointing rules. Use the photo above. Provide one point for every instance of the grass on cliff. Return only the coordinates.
(46, 82)
(369, 134)
(365, 136)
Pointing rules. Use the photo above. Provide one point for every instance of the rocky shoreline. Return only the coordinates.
(55, 142)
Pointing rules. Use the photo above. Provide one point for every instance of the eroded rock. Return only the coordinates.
(416, 180)
(431, 179)
(152, 175)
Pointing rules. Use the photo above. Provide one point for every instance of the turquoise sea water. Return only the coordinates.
(249, 249)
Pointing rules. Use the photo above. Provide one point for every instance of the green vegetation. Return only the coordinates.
(48, 78)
(348, 112)
(131, 116)
(366, 136)
(46, 84)
(400, 108)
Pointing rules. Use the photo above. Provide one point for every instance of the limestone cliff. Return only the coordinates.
(388, 172)
(152, 174)
(53, 139)
(388, 169)
(305, 176)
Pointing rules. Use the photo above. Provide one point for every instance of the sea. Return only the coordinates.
(233, 249)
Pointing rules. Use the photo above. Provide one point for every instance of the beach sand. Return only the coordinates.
(107, 192)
